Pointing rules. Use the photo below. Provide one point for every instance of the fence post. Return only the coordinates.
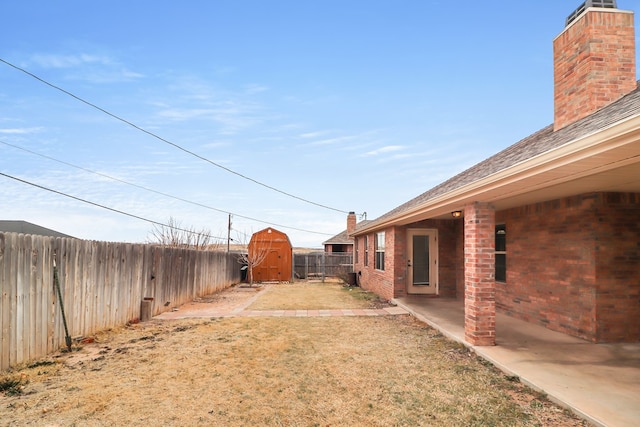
(146, 309)
(306, 266)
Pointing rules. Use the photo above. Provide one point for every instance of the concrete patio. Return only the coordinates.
(599, 382)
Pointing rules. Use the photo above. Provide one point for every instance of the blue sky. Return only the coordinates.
(355, 105)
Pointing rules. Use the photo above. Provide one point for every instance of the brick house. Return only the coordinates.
(343, 242)
(547, 230)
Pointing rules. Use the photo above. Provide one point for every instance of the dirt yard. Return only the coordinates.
(272, 371)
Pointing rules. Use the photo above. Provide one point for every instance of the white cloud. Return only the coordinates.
(194, 99)
(367, 137)
(69, 61)
(332, 141)
(317, 134)
(218, 144)
(252, 89)
(89, 67)
(402, 156)
(181, 114)
(109, 76)
(384, 150)
(232, 119)
(19, 131)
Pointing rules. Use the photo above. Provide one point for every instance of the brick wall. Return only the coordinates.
(618, 268)
(338, 248)
(392, 282)
(551, 265)
(573, 266)
(594, 64)
(459, 274)
(378, 281)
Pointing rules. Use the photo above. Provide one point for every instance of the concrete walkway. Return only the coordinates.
(599, 382)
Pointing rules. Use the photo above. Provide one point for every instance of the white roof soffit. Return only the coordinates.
(605, 160)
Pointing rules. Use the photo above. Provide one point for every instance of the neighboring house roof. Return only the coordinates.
(25, 227)
(487, 174)
(343, 237)
(339, 239)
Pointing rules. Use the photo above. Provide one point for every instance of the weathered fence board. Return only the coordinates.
(102, 285)
(321, 264)
(5, 293)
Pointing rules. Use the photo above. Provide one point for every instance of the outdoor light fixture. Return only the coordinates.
(456, 214)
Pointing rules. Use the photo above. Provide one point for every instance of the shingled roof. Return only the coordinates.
(24, 227)
(339, 239)
(343, 237)
(538, 143)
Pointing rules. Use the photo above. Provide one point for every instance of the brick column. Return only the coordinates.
(479, 274)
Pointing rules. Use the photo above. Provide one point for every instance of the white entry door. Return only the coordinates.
(422, 261)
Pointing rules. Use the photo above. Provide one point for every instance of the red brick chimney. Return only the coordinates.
(351, 223)
(594, 60)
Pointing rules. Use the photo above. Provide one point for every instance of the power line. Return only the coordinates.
(159, 192)
(166, 141)
(101, 206)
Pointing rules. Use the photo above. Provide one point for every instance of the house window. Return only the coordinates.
(501, 253)
(366, 251)
(379, 248)
(357, 250)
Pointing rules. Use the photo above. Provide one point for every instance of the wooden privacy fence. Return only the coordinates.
(102, 285)
(322, 264)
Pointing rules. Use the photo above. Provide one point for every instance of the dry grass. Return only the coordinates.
(313, 296)
(382, 371)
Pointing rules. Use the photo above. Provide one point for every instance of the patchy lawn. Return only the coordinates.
(328, 371)
(313, 296)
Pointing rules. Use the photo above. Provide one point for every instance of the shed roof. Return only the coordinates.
(269, 234)
(537, 144)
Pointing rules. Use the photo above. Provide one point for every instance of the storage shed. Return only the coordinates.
(270, 255)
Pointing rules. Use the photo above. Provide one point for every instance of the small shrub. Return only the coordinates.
(41, 363)
(536, 404)
(11, 386)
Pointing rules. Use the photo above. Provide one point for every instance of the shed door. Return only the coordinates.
(422, 261)
(273, 265)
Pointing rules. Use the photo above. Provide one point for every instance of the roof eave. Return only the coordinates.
(608, 138)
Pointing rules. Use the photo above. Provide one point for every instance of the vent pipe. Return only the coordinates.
(607, 4)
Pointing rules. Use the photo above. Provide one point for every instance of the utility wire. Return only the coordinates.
(103, 206)
(158, 192)
(154, 135)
